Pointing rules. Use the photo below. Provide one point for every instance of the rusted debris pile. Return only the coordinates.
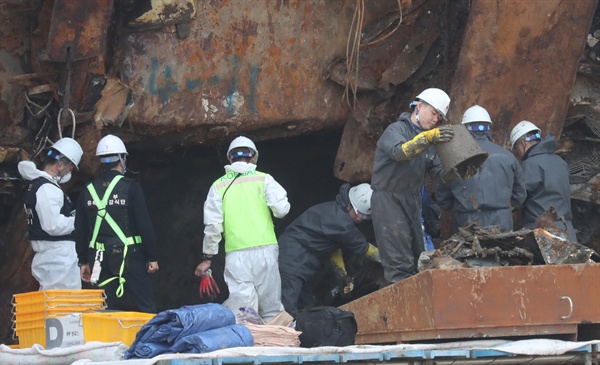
(475, 246)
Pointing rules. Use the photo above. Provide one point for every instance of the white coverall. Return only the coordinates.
(54, 265)
(252, 274)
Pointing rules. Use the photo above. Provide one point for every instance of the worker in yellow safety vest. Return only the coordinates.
(239, 206)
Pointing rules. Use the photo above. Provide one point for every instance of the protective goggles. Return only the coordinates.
(109, 159)
(533, 136)
(54, 154)
(240, 154)
(478, 127)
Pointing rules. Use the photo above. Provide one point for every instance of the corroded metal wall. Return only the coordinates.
(519, 60)
(14, 51)
(245, 66)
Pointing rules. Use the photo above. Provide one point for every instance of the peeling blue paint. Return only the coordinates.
(169, 87)
(233, 84)
(194, 84)
(162, 84)
(253, 86)
(214, 80)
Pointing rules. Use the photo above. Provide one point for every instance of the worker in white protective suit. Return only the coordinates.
(239, 206)
(50, 218)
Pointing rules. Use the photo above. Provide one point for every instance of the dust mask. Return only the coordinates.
(63, 179)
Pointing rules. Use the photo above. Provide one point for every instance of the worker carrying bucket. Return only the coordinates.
(405, 152)
(462, 156)
(490, 195)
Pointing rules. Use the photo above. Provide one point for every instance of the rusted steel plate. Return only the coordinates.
(165, 12)
(14, 45)
(78, 26)
(481, 302)
(353, 163)
(519, 60)
(391, 57)
(245, 66)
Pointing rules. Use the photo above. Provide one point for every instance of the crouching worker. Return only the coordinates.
(239, 207)
(319, 234)
(115, 237)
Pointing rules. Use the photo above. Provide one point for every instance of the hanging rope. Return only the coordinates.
(353, 45)
(393, 31)
(66, 99)
(38, 112)
(352, 53)
(72, 119)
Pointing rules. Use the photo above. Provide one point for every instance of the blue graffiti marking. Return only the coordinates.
(169, 87)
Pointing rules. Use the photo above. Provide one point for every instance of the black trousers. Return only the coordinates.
(138, 285)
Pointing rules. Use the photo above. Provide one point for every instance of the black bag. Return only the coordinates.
(326, 326)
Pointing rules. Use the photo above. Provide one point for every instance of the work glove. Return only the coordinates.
(346, 283)
(444, 134)
(423, 140)
(372, 253)
(208, 286)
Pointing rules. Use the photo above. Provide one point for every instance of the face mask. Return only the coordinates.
(63, 179)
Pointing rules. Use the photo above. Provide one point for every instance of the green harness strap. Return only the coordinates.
(103, 215)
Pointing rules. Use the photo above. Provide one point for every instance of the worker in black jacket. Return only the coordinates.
(489, 196)
(115, 237)
(546, 177)
(318, 234)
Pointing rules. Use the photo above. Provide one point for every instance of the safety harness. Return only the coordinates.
(99, 247)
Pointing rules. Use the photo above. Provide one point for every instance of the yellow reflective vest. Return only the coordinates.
(247, 220)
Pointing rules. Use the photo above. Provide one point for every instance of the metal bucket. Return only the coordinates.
(462, 156)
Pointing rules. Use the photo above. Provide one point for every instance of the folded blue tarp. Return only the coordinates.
(168, 327)
(237, 335)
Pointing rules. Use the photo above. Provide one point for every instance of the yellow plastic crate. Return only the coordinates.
(40, 300)
(35, 310)
(29, 323)
(28, 336)
(113, 326)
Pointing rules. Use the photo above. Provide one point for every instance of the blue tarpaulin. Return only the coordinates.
(237, 335)
(167, 328)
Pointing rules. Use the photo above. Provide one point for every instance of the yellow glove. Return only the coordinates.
(339, 267)
(372, 253)
(423, 140)
(337, 261)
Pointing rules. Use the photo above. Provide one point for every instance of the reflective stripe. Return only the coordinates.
(103, 215)
(239, 180)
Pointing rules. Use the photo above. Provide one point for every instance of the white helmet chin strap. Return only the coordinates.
(417, 116)
(122, 159)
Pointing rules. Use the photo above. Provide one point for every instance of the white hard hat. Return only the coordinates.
(476, 114)
(242, 141)
(520, 130)
(110, 145)
(70, 149)
(437, 98)
(360, 198)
